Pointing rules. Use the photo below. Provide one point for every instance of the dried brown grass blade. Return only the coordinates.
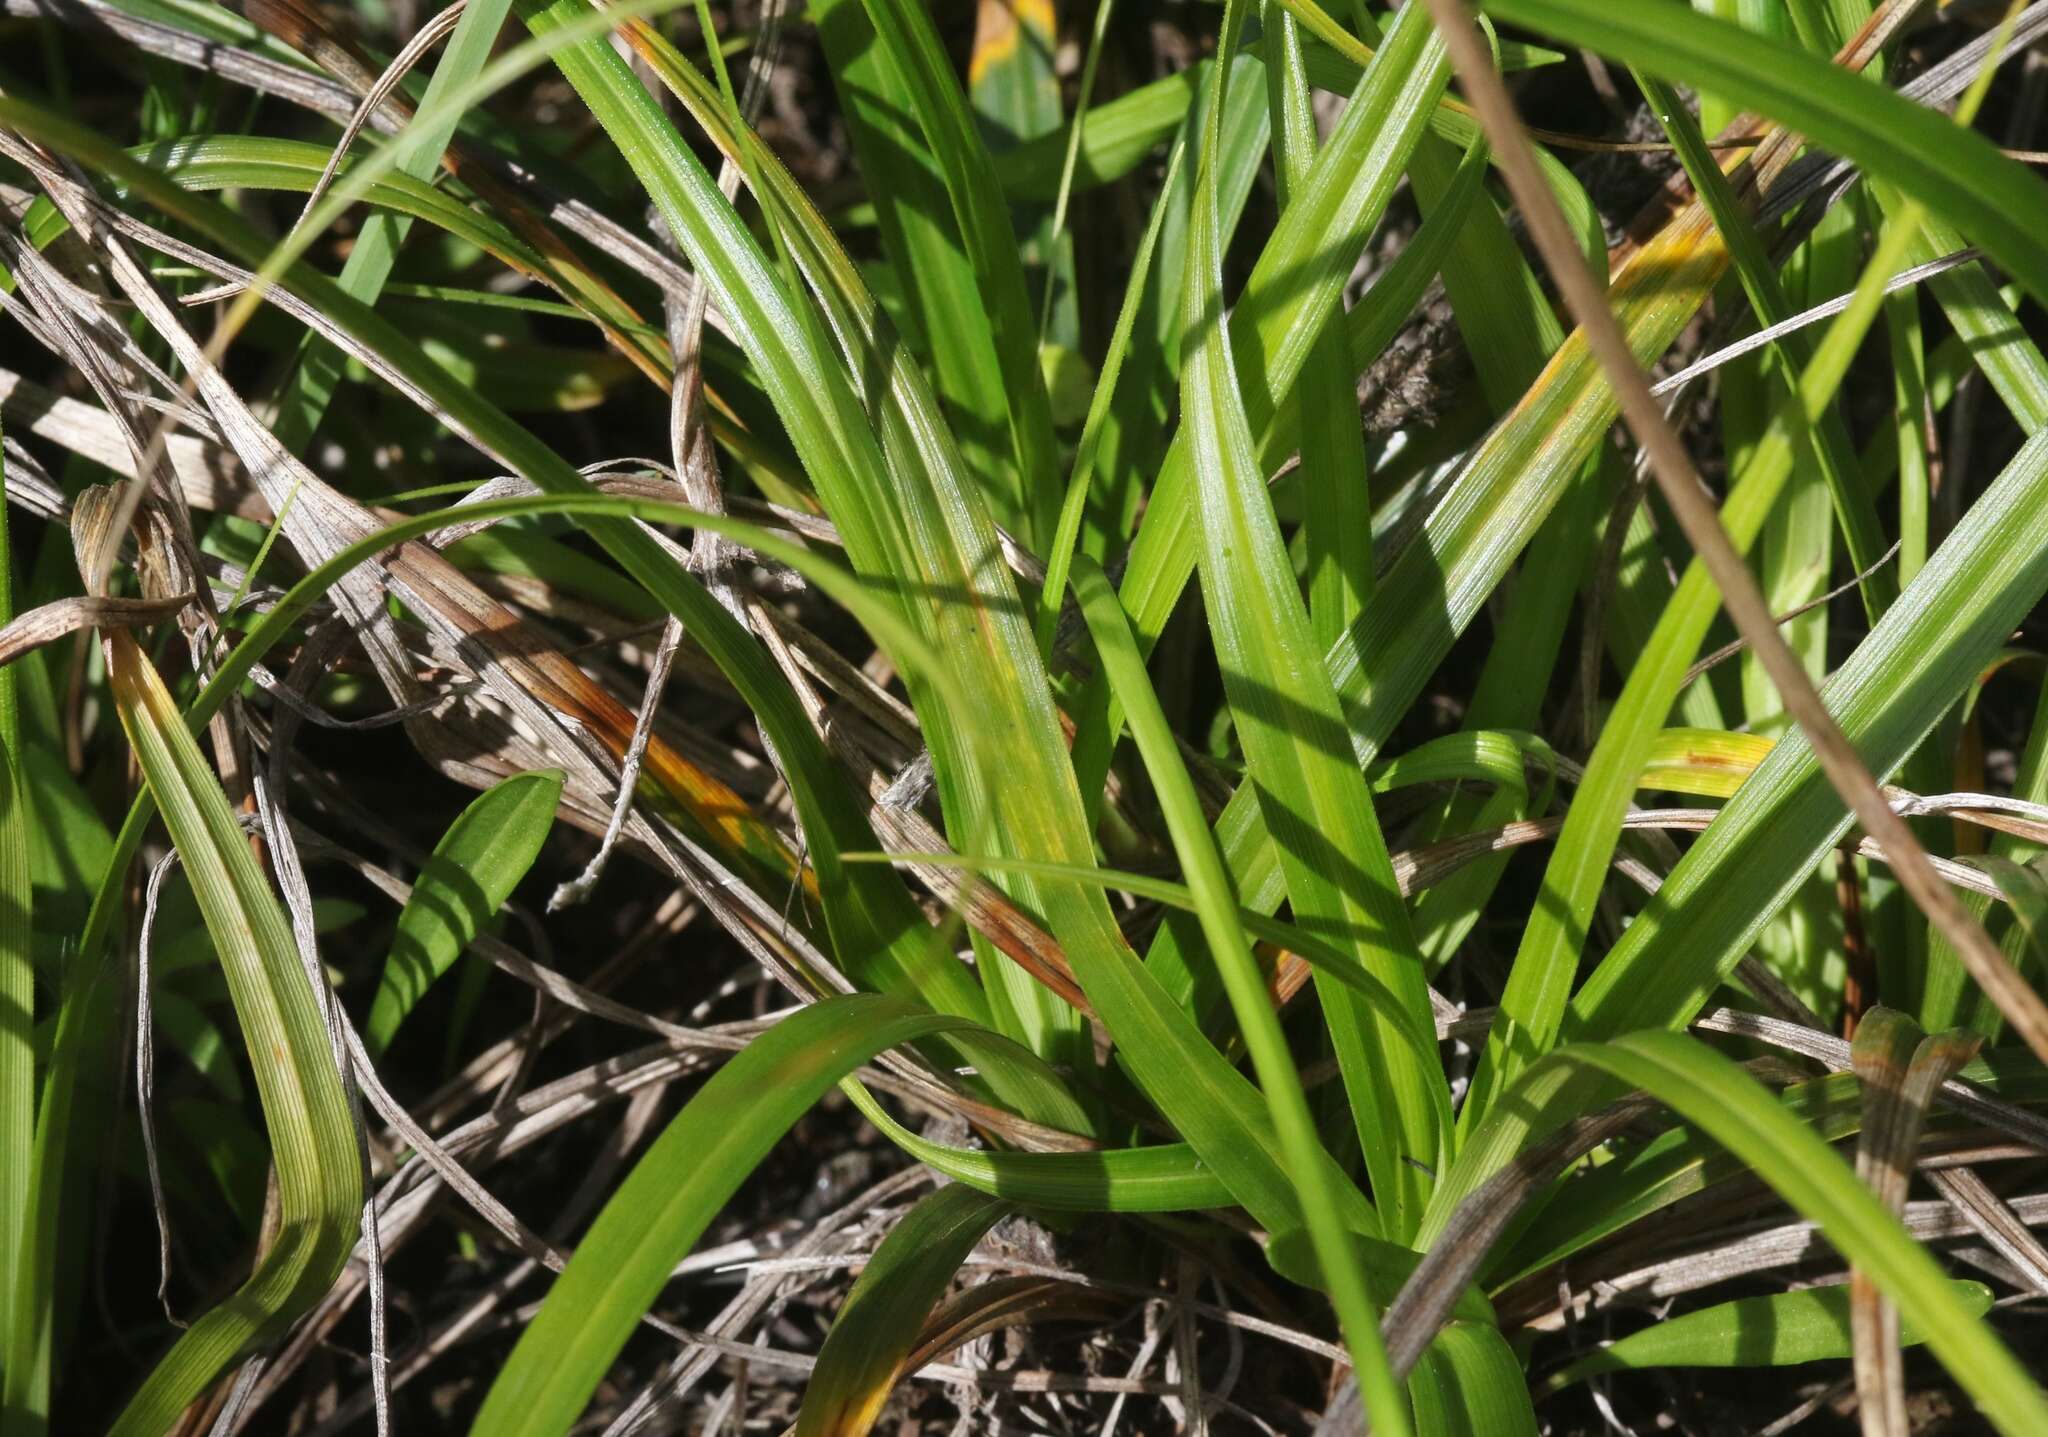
(62, 617)
(520, 665)
(207, 473)
(1005, 1302)
(402, 64)
(1900, 1072)
(1995, 1222)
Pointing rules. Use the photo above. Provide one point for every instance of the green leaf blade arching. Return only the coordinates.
(1322, 1185)
(1539, 986)
(1949, 623)
(878, 1324)
(319, 1176)
(1469, 1384)
(880, 922)
(657, 1214)
(1493, 509)
(1312, 791)
(939, 549)
(1147, 930)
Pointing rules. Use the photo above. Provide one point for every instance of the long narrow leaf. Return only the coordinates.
(17, 1024)
(1948, 624)
(911, 42)
(1782, 1328)
(1311, 791)
(657, 1214)
(1040, 814)
(1533, 1003)
(1312, 795)
(878, 1325)
(313, 1148)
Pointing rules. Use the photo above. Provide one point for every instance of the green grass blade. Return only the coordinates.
(918, 527)
(657, 1214)
(1022, 1083)
(1135, 433)
(1796, 554)
(1909, 424)
(1168, 1177)
(894, 927)
(1519, 473)
(1510, 330)
(1084, 95)
(1317, 1178)
(1337, 509)
(1311, 791)
(221, 162)
(1822, 26)
(1116, 135)
(17, 1025)
(1294, 269)
(1254, 866)
(1470, 1384)
(1498, 502)
(878, 1324)
(1890, 692)
(1494, 507)
(370, 259)
(1539, 985)
(1291, 294)
(313, 1145)
(906, 34)
(473, 870)
(82, 1046)
(1015, 95)
(1440, 244)
(1998, 344)
(884, 938)
(922, 242)
(1312, 795)
(1830, 446)
(1041, 814)
(1319, 952)
(1067, 534)
(1675, 1164)
(1775, 1330)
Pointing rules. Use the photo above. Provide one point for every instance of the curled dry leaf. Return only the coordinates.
(52, 621)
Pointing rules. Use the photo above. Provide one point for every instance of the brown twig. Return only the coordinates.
(1859, 987)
